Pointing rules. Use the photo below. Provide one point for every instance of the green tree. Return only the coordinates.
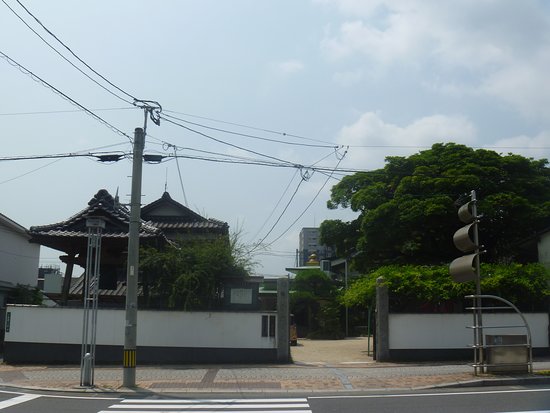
(189, 275)
(314, 304)
(417, 288)
(24, 294)
(407, 210)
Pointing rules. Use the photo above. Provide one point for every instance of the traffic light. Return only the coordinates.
(466, 268)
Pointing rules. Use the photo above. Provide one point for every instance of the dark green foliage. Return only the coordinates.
(24, 294)
(313, 302)
(430, 288)
(407, 210)
(188, 275)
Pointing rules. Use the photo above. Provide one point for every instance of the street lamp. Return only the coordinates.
(95, 226)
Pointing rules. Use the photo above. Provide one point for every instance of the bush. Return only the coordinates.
(431, 289)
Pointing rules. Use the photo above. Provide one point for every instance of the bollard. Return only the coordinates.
(86, 379)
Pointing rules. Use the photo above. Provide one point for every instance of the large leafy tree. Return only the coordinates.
(407, 209)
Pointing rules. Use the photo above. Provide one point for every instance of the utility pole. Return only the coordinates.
(151, 109)
(130, 330)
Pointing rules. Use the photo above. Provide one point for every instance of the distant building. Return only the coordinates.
(309, 244)
(18, 257)
(50, 279)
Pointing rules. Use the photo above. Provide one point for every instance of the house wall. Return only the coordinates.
(54, 335)
(446, 336)
(18, 258)
(544, 249)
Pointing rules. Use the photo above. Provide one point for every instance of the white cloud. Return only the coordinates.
(535, 147)
(469, 47)
(523, 85)
(348, 78)
(371, 139)
(290, 67)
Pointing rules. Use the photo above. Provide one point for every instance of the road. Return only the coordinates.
(474, 400)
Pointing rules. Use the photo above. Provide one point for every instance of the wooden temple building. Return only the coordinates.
(163, 220)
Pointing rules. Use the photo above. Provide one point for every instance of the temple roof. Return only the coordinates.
(167, 214)
(115, 215)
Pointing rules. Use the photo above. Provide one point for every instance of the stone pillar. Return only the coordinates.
(382, 321)
(283, 321)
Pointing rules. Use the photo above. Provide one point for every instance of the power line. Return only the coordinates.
(41, 81)
(51, 112)
(279, 218)
(227, 143)
(332, 144)
(29, 172)
(307, 207)
(252, 127)
(276, 205)
(61, 55)
(75, 55)
(252, 136)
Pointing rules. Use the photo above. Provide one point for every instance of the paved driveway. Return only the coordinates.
(348, 351)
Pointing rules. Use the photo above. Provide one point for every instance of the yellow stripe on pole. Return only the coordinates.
(129, 359)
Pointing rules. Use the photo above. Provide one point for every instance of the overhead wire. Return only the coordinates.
(251, 136)
(44, 83)
(307, 207)
(74, 54)
(51, 112)
(227, 143)
(259, 243)
(276, 205)
(332, 144)
(180, 178)
(59, 53)
(251, 127)
(50, 163)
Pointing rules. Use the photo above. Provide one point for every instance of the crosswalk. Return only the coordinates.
(290, 405)
(14, 401)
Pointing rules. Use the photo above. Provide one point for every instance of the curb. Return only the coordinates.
(140, 391)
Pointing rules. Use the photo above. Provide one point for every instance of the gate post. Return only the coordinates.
(382, 321)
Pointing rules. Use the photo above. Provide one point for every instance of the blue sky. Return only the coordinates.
(382, 77)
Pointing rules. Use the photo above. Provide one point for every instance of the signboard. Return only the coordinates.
(241, 296)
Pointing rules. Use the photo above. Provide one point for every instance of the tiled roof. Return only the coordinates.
(77, 288)
(188, 225)
(117, 218)
(185, 218)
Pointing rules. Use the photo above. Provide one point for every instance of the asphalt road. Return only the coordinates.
(473, 400)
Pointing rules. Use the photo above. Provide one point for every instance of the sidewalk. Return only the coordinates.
(319, 366)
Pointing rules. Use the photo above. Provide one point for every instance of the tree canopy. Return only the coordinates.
(313, 301)
(408, 208)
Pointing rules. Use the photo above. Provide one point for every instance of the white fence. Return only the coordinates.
(433, 336)
(41, 334)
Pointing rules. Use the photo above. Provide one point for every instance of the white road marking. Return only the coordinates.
(17, 400)
(466, 393)
(290, 405)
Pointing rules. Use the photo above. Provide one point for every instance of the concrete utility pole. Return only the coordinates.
(130, 330)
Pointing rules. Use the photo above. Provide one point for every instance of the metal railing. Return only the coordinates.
(480, 346)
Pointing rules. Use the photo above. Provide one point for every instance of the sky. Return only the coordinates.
(265, 103)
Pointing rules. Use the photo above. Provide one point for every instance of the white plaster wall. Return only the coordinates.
(18, 258)
(32, 324)
(449, 331)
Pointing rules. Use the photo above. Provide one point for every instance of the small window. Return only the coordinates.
(268, 325)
